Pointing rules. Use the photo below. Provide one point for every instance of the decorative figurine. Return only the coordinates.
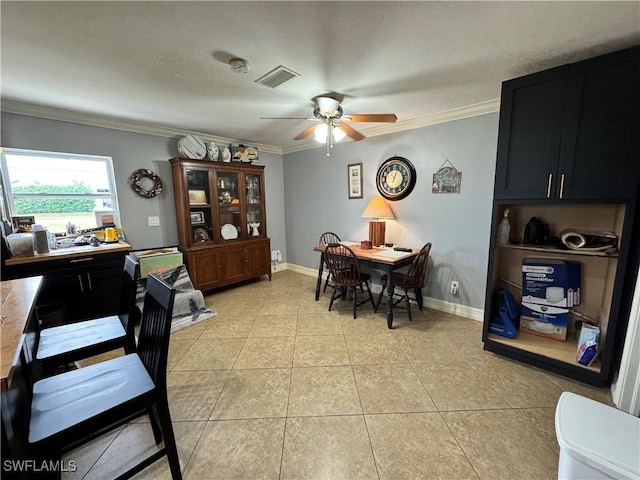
(212, 151)
(254, 228)
(226, 154)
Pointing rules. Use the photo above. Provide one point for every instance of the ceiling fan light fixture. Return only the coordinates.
(320, 133)
(328, 106)
(338, 133)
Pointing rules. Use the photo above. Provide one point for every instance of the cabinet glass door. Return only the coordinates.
(253, 189)
(229, 205)
(254, 221)
(200, 216)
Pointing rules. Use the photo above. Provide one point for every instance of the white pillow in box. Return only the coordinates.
(192, 147)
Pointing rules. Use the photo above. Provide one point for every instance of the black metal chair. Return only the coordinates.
(345, 273)
(327, 238)
(68, 343)
(65, 411)
(413, 279)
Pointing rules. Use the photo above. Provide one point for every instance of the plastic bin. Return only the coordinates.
(596, 441)
(51, 314)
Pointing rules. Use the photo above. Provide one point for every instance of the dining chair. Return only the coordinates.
(66, 411)
(326, 238)
(69, 343)
(344, 269)
(412, 279)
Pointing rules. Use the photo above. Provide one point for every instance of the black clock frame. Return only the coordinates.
(411, 183)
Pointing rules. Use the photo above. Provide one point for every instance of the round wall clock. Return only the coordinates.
(396, 178)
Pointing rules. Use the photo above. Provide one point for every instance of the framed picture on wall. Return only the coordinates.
(354, 179)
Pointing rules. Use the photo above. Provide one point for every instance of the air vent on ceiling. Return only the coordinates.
(277, 76)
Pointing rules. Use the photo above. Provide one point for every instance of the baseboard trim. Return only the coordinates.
(465, 311)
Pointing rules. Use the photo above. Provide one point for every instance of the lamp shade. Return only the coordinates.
(378, 208)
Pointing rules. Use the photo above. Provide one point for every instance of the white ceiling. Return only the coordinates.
(165, 64)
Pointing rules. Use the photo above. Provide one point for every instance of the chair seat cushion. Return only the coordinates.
(68, 399)
(61, 340)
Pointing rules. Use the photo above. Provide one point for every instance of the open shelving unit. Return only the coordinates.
(599, 275)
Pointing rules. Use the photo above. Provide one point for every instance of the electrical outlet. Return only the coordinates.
(454, 287)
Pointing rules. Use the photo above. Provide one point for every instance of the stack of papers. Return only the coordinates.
(392, 254)
(347, 243)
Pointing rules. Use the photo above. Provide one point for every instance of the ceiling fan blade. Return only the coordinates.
(351, 132)
(372, 117)
(306, 132)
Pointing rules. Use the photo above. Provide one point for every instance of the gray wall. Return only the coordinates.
(306, 192)
(458, 225)
(131, 151)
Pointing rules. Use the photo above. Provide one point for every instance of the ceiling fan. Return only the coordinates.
(331, 123)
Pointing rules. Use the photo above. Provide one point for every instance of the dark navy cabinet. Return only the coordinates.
(572, 132)
(568, 153)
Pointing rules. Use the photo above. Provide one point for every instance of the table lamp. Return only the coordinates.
(376, 209)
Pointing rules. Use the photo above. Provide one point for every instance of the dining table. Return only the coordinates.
(17, 310)
(384, 259)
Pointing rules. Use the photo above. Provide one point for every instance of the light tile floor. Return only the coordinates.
(277, 387)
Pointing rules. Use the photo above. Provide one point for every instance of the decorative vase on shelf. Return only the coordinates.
(226, 154)
(254, 229)
(212, 151)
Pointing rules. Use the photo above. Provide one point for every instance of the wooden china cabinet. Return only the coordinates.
(222, 222)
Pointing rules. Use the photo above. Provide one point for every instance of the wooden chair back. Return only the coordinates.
(128, 312)
(343, 265)
(414, 278)
(155, 328)
(328, 238)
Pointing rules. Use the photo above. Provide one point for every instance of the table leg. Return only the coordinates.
(319, 277)
(389, 299)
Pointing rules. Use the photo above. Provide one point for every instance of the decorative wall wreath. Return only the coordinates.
(145, 183)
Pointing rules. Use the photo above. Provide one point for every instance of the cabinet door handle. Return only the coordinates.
(561, 185)
(81, 284)
(549, 185)
(89, 281)
(77, 260)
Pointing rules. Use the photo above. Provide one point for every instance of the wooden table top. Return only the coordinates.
(70, 252)
(18, 302)
(372, 254)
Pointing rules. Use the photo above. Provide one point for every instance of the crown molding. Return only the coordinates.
(83, 118)
(51, 113)
(482, 108)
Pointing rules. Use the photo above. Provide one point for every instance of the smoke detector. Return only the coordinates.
(239, 65)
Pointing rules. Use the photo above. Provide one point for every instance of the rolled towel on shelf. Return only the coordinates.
(588, 241)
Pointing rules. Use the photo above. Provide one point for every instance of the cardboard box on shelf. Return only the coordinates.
(554, 283)
(544, 321)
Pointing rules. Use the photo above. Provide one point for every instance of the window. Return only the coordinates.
(59, 188)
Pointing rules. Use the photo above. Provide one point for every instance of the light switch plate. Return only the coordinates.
(154, 221)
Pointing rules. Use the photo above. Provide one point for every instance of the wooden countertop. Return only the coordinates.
(18, 302)
(70, 252)
(372, 254)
